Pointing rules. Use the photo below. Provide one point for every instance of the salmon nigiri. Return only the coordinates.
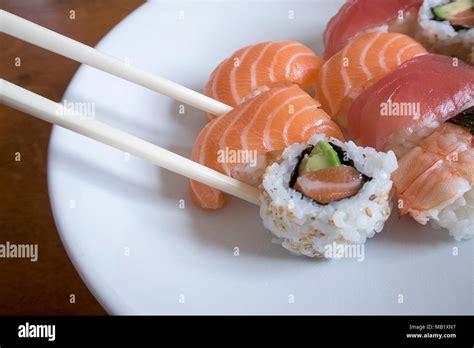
(247, 137)
(409, 103)
(360, 16)
(434, 180)
(361, 63)
(262, 66)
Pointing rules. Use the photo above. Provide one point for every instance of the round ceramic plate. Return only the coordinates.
(141, 246)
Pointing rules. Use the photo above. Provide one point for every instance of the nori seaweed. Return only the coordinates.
(460, 27)
(343, 156)
(294, 174)
(465, 119)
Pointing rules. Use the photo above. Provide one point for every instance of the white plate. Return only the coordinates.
(140, 253)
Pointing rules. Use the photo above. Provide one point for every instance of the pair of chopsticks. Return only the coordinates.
(49, 111)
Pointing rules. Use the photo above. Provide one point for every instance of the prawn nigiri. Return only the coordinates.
(361, 63)
(258, 67)
(266, 123)
(434, 180)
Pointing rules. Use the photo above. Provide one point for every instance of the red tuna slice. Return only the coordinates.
(438, 87)
(358, 16)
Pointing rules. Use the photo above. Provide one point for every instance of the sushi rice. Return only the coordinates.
(457, 217)
(305, 227)
(440, 36)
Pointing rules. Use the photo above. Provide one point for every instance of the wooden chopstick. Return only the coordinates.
(47, 110)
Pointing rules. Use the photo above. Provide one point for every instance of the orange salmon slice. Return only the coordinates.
(330, 184)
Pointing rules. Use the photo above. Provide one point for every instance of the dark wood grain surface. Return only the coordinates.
(42, 287)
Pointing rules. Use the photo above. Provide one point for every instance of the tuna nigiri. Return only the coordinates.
(361, 63)
(268, 122)
(441, 26)
(360, 16)
(262, 66)
(409, 103)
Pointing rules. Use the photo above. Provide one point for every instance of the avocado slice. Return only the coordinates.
(442, 12)
(322, 156)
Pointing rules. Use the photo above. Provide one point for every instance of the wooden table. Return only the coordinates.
(42, 287)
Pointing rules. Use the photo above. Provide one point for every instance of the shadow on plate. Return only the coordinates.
(239, 225)
(105, 179)
(405, 230)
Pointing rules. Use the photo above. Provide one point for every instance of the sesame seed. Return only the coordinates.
(368, 212)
